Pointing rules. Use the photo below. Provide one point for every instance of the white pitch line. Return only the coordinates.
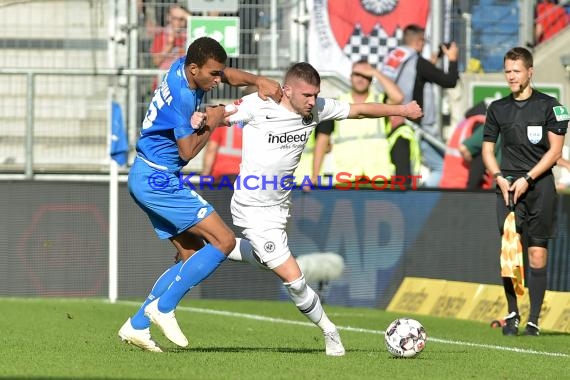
(357, 329)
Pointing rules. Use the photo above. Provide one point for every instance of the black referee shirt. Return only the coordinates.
(524, 127)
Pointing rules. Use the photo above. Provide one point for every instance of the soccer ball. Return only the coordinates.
(405, 338)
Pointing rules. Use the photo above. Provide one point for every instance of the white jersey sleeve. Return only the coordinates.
(244, 112)
(332, 109)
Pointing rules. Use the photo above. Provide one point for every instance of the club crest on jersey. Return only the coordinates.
(308, 119)
(269, 246)
(534, 133)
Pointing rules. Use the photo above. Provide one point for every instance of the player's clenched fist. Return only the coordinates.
(412, 110)
(198, 120)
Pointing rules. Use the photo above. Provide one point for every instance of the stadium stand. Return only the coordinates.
(67, 111)
(495, 26)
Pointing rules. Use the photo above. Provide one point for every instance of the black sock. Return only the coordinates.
(511, 295)
(536, 290)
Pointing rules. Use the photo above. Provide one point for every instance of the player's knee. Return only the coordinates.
(537, 257)
(225, 242)
(228, 242)
(297, 288)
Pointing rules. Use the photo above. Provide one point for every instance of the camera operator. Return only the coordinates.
(416, 75)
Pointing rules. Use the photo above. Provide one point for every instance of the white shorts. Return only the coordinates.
(264, 227)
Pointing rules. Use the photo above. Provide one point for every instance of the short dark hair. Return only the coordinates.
(204, 48)
(521, 53)
(412, 31)
(305, 72)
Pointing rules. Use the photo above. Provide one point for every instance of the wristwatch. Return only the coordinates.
(529, 180)
(497, 174)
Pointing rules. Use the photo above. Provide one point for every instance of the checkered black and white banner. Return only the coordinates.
(373, 47)
(342, 32)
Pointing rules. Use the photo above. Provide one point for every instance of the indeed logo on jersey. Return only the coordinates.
(288, 138)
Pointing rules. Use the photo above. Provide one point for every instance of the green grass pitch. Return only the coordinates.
(46, 338)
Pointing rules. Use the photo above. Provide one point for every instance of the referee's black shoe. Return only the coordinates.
(532, 329)
(511, 327)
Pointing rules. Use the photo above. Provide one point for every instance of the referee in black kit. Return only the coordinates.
(532, 126)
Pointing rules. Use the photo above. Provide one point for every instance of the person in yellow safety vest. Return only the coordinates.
(405, 151)
(360, 147)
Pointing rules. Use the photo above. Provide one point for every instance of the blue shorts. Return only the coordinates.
(171, 207)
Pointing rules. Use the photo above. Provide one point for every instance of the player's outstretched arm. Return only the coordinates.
(267, 88)
(372, 110)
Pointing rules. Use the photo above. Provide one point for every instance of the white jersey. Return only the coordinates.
(273, 140)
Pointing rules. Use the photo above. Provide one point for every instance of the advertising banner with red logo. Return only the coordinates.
(343, 32)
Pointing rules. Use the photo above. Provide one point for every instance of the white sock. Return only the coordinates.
(309, 303)
(243, 252)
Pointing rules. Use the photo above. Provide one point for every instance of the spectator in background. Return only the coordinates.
(169, 43)
(462, 163)
(470, 149)
(414, 75)
(360, 147)
(404, 148)
(223, 152)
(550, 19)
(153, 14)
(152, 18)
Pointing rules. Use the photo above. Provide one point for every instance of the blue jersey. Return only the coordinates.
(168, 119)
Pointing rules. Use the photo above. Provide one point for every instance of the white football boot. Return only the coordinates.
(167, 323)
(139, 338)
(333, 344)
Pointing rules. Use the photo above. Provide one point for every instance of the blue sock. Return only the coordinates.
(196, 269)
(140, 321)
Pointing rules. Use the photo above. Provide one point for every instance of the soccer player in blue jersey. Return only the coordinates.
(173, 132)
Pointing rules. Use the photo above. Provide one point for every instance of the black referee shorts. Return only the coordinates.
(535, 211)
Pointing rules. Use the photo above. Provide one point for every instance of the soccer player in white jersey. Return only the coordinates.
(274, 137)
